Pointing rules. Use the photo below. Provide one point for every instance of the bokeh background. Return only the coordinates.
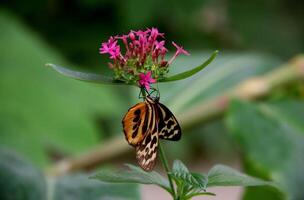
(46, 117)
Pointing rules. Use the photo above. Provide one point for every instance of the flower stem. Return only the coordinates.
(164, 161)
(143, 92)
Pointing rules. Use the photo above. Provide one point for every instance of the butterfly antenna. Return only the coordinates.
(147, 91)
(153, 90)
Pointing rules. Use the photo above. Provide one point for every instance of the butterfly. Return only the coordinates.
(144, 124)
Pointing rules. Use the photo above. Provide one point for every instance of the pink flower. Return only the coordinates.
(159, 45)
(132, 35)
(145, 80)
(124, 38)
(179, 50)
(111, 48)
(108, 46)
(115, 53)
(154, 33)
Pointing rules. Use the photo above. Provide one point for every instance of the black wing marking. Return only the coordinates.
(168, 126)
(135, 123)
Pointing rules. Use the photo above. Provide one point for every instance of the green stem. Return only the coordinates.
(143, 92)
(181, 191)
(164, 161)
(199, 194)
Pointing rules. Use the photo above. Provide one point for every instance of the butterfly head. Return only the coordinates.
(153, 95)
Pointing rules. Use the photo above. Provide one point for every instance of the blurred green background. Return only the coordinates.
(45, 116)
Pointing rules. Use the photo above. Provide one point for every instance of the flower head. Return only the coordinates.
(139, 51)
(145, 80)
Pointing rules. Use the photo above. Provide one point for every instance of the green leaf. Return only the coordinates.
(221, 175)
(181, 173)
(262, 193)
(201, 180)
(133, 175)
(84, 76)
(41, 112)
(271, 137)
(220, 76)
(191, 72)
(80, 187)
(98, 78)
(19, 179)
(179, 167)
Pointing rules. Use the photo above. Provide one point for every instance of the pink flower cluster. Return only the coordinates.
(140, 45)
(142, 49)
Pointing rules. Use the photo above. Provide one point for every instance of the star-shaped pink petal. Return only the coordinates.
(180, 50)
(145, 80)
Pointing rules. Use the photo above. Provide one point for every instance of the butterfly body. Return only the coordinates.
(144, 124)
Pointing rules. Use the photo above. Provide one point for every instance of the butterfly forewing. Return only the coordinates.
(168, 126)
(135, 123)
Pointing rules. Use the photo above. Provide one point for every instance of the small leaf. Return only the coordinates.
(179, 167)
(181, 172)
(201, 179)
(221, 175)
(191, 72)
(133, 175)
(84, 76)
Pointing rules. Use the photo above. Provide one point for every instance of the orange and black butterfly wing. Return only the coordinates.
(146, 152)
(135, 123)
(168, 126)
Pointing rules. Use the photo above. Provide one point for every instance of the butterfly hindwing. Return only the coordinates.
(146, 152)
(168, 126)
(135, 123)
